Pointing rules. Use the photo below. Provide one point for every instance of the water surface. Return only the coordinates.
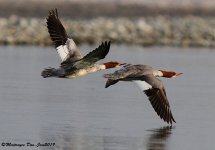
(80, 114)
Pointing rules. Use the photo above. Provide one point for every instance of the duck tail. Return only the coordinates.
(49, 72)
(110, 82)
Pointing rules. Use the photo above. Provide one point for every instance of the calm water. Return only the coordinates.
(80, 114)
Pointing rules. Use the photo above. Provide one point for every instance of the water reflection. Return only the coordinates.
(67, 140)
(158, 138)
(87, 142)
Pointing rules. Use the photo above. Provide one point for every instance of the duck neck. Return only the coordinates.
(101, 67)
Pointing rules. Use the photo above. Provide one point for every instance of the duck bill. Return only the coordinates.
(177, 74)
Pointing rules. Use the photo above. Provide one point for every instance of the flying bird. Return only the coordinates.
(146, 79)
(73, 63)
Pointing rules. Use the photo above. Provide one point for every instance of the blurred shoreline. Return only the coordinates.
(186, 31)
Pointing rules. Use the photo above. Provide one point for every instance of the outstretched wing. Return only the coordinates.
(65, 46)
(156, 94)
(91, 58)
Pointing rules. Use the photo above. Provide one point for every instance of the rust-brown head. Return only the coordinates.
(113, 64)
(169, 74)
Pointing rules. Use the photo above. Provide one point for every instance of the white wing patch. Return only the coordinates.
(63, 52)
(143, 85)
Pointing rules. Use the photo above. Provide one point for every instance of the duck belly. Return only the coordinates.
(78, 73)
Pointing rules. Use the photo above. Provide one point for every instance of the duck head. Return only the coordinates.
(113, 64)
(169, 74)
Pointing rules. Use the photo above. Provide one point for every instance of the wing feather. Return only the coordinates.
(65, 46)
(158, 102)
(155, 91)
(56, 29)
(90, 59)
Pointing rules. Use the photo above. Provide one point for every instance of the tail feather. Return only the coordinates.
(52, 72)
(110, 82)
(48, 72)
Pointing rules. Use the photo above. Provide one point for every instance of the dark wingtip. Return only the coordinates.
(53, 12)
(109, 44)
(173, 119)
(56, 12)
(106, 43)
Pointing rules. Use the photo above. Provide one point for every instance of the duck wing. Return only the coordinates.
(155, 91)
(127, 73)
(65, 46)
(89, 59)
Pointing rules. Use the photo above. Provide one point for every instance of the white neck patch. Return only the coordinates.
(142, 85)
(102, 67)
(157, 73)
